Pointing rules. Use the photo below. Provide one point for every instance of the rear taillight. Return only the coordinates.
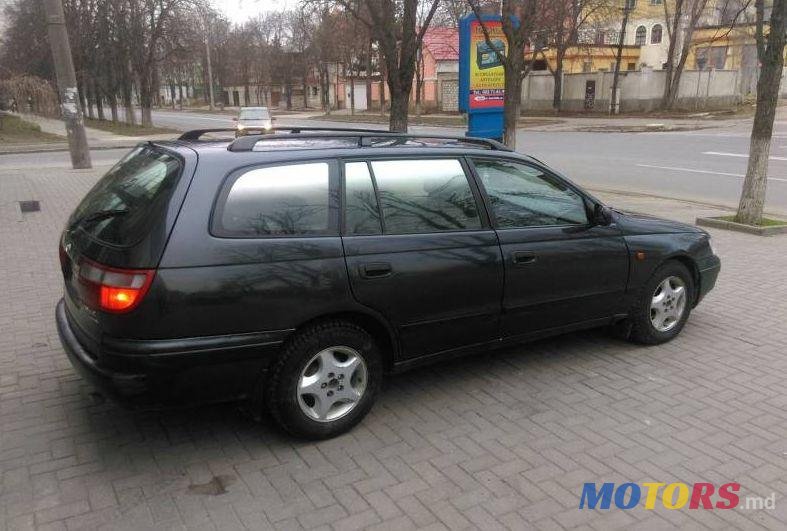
(111, 289)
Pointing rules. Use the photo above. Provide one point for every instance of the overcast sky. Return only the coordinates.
(241, 10)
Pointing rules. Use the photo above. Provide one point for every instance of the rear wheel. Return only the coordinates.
(325, 381)
(664, 305)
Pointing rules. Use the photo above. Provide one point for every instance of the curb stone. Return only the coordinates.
(740, 227)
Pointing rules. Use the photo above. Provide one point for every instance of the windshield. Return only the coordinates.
(125, 204)
(255, 114)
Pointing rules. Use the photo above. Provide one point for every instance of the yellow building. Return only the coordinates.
(646, 31)
(588, 58)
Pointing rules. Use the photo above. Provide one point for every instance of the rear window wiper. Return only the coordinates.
(101, 215)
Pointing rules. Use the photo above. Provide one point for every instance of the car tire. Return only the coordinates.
(325, 381)
(663, 305)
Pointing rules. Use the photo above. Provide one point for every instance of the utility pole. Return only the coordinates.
(628, 5)
(67, 84)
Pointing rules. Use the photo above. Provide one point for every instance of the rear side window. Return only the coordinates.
(288, 200)
(130, 199)
(361, 213)
(423, 196)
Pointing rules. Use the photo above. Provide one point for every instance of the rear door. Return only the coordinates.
(421, 252)
(560, 269)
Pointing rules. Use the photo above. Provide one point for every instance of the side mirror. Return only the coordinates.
(273, 119)
(234, 118)
(602, 215)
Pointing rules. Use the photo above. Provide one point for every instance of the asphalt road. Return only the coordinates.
(707, 165)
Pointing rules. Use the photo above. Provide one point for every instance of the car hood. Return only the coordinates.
(636, 223)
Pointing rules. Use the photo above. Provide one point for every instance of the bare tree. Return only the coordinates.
(681, 22)
(770, 52)
(393, 24)
(563, 22)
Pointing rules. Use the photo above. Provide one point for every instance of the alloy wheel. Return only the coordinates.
(668, 304)
(332, 383)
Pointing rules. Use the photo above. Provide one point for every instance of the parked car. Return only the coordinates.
(253, 120)
(294, 270)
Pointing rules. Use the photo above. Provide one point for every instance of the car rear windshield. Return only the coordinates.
(254, 115)
(125, 204)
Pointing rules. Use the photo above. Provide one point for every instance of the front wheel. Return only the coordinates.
(664, 305)
(325, 381)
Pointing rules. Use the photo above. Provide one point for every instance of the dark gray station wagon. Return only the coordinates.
(295, 269)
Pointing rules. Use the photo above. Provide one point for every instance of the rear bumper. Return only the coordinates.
(159, 373)
(709, 272)
(122, 386)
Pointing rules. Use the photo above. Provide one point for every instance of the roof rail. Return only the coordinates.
(363, 137)
(195, 134)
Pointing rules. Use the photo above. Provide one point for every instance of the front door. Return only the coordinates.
(420, 252)
(560, 269)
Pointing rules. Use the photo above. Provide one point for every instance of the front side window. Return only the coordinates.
(290, 200)
(423, 196)
(524, 196)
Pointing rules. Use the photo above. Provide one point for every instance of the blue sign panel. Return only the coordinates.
(481, 75)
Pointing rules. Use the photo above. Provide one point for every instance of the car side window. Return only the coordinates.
(425, 196)
(524, 196)
(287, 200)
(361, 212)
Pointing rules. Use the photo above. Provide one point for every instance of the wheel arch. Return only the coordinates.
(690, 264)
(373, 324)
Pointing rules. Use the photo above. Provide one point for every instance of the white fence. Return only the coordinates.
(640, 91)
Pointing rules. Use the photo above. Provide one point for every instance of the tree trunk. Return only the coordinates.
(419, 83)
(88, 96)
(382, 97)
(99, 103)
(128, 101)
(512, 102)
(113, 107)
(369, 76)
(752, 200)
(146, 99)
(400, 103)
(418, 89)
(352, 96)
(155, 92)
(557, 95)
(614, 99)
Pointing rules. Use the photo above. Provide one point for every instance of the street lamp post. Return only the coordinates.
(67, 84)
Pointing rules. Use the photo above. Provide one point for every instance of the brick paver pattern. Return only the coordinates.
(500, 440)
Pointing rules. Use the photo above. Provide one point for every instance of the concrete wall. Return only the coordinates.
(640, 91)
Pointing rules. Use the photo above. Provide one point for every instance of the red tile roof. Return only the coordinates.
(442, 43)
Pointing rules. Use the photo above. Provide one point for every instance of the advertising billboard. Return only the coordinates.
(487, 77)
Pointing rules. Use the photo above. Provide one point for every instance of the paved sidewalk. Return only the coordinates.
(503, 440)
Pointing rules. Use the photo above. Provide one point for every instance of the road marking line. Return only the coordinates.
(673, 168)
(741, 155)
